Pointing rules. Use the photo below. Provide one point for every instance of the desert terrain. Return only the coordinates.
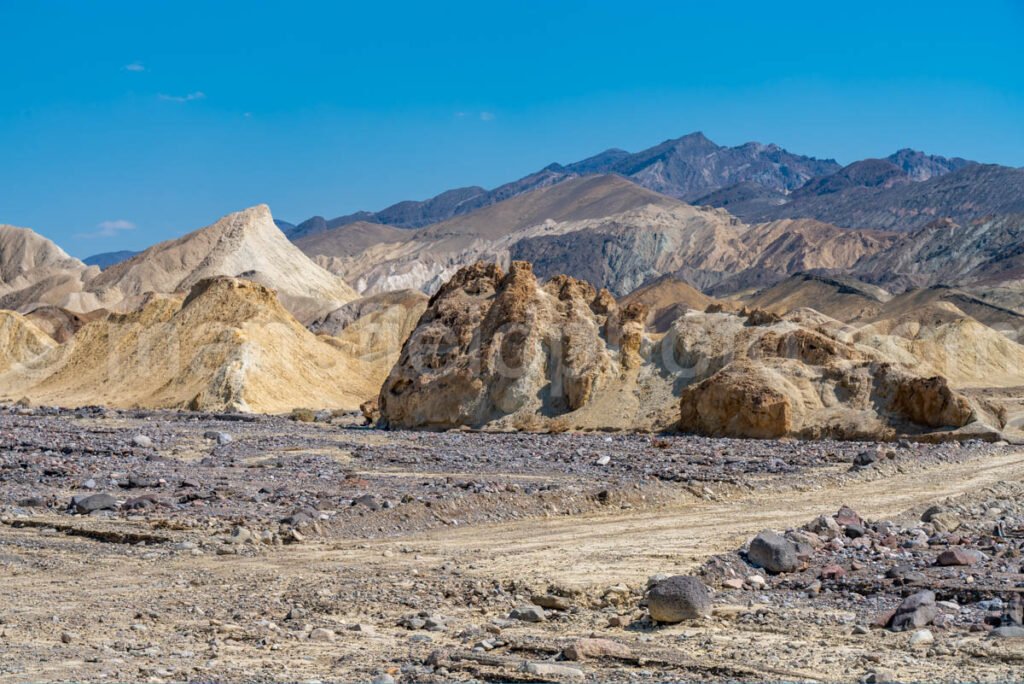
(250, 548)
(696, 413)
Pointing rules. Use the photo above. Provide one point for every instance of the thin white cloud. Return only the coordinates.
(197, 95)
(483, 116)
(108, 229)
(134, 66)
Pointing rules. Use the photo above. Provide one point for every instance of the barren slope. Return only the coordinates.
(229, 345)
(34, 272)
(245, 243)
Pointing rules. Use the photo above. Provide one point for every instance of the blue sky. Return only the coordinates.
(125, 123)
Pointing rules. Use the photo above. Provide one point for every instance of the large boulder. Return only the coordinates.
(759, 377)
(916, 611)
(738, 401)
(773, 552)
(678, 598)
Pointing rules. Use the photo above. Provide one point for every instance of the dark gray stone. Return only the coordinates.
(1008, 632)
(678, 598)
(916, 611)
(773, 552)
(93, 502)
(528, 614)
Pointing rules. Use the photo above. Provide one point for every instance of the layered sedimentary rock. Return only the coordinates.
(501, 351)
(602, 229)
(244, 244)
(228, 345)
(21, 341)
(35, 272)
(496, 347)
(374, 328)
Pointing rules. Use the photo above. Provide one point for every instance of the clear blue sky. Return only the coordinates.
(166, 115)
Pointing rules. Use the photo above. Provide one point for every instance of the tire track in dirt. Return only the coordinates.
(630, 545)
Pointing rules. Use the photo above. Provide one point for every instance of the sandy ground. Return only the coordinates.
(88, 608)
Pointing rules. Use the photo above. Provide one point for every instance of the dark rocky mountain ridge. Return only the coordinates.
(684, 168)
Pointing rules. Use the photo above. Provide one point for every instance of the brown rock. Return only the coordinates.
(596, 648)
(848, 516)
(958, 556)
(832, 571)
(493, 345)
(738, 401)
(551, 602)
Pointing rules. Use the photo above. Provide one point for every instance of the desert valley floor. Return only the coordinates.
(260, 548)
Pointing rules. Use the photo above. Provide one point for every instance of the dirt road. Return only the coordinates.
(77, 608)
(629, 545)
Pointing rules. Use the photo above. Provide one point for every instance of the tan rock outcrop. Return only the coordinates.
(781, 379)
(738, 401)
(497, 348)
(229, 344)
(502, 351)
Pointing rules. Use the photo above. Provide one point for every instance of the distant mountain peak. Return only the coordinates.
(108, 259)
(920, 166)
(685, 168)
(697, 137)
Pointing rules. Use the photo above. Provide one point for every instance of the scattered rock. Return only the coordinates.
(916, 611)
(1007, 632)
(551, 602)
(528, 614)
(678, 598)
(367, 500)
(773, 552)
(865, 458)
(142, 441)
(552, 670)
(825, 526)
(757, 582)
(240, 535)
(959, 556)
(321, 634)
(220, 438)
(847, 516)
(945, 522)
(596, 648)
(95, 502)
(922, 637)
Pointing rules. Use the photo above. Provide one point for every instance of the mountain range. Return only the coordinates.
(754, 181)
(918, 257)
(685, 168)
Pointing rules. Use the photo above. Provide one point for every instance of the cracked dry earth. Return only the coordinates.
(258, 548)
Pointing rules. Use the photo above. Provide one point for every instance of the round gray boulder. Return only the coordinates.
(678, 598)
(773, 552)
